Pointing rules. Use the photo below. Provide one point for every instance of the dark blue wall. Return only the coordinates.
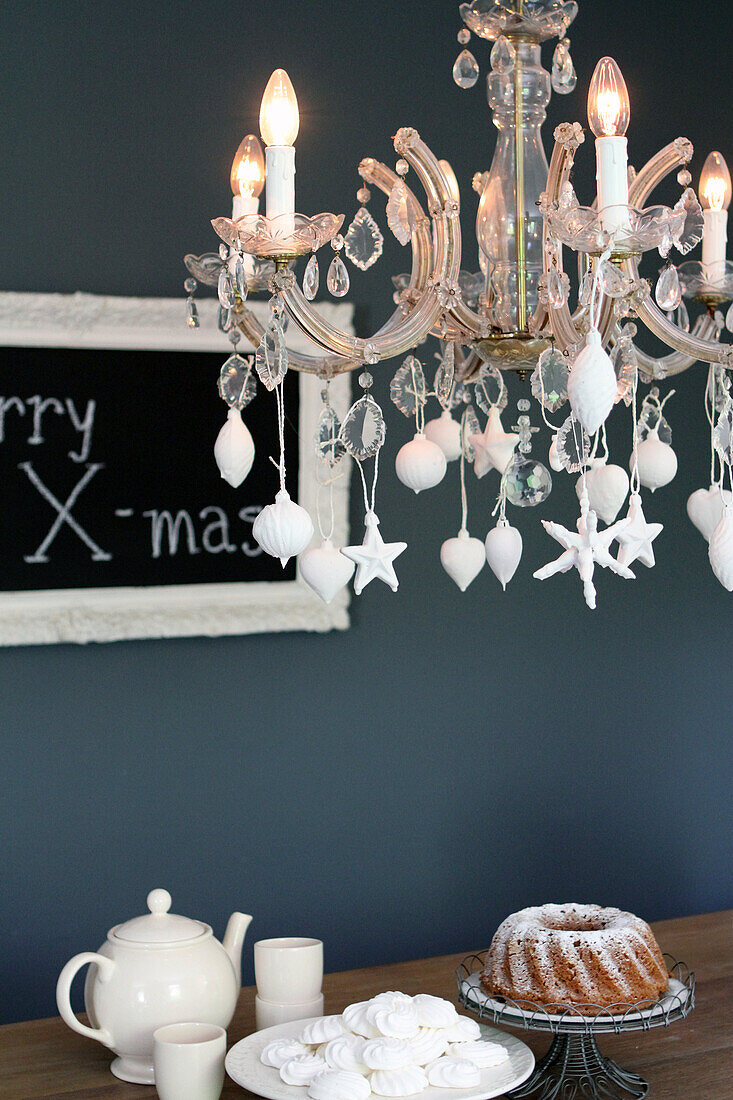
(398, 789)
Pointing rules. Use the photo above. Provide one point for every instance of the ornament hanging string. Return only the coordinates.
(635, 478)
(369, 507)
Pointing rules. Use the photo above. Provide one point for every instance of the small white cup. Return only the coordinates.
(289, 970)
(189, 1061)
(268, 1014)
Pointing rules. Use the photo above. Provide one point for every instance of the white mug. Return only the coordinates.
(289, 970)
(189, 1061)
(268, 1014)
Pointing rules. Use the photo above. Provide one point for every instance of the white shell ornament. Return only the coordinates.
(462, 558)
(656, 460)
(607, 487)
(503, 548)
(721, 549)
(592, 384)
(283, 529)
(705, 508)
(234, 449)
(446, 432)
(325, 570)
(420, 464)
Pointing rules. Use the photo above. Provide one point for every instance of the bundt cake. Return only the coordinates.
(575, 954)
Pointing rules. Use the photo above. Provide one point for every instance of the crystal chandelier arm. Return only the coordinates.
(379, 175)
(652, 369)
(325, 366)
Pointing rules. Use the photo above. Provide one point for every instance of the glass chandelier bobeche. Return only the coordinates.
(512, 315)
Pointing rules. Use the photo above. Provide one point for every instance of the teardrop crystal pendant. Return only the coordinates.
(465, 70)
(469, 426)
(549, 379)
(364, 241)
(271, 360)
(363, 429)
(237, 384)
(311, 278)
(337, 279)
(612, 280)
(503, 56)
(240, 278)
(556, 292)
(225, 288)
(329, 447)
(192, 313)
(445, 375)
(668, 291)
(564, 77)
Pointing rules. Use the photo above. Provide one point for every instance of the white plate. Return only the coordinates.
(244, 1066)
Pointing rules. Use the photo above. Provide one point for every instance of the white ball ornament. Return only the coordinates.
(234, 449)
(720, 551)
(607, 487)
(503, 549)
(325, 570)
(462, 558)
(420, 464)
(283, 529)
(705, 508)
(656, 460)
(446, 433)
(592, 384)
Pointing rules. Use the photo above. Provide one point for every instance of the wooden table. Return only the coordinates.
(692, 1058)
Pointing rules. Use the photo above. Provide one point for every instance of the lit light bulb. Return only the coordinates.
(715, 184)
(279, 118)
(608, 100)
(450, 179)
(247, 176)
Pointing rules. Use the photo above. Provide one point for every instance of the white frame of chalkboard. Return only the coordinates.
(170, 611)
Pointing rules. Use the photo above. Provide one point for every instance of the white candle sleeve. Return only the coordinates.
(280, 179)
(612, 181)
(714, 241)
(244, 204)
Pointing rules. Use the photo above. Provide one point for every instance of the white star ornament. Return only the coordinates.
(493, 446)
(374, 557)
(635, 542)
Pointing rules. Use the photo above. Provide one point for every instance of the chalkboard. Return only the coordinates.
(116, 522)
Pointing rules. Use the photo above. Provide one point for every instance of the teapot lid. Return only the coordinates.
(159, 926)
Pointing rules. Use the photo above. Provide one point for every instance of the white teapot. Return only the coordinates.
(154, 970)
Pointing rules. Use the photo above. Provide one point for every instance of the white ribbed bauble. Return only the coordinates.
(462, 558)
(325, 570)
(503, 551)
(592, 384)
(705, 508)
(234, 449)
(607, 486)
(720, 551)
(657, 462)
(420, 464)
(283, 529)
(446, 432)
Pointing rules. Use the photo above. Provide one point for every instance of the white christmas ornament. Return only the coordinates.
(462, 558)
(325, 570)
(705, 508)
(656, 461)
(374, 557)
(635, 541)
(234, 449)
(420, 464)
(283, 529)
(592, 384)
(503, 549)
(446, 432)
(607, 489)
(493, 446)
(554, 457)
(720, 551)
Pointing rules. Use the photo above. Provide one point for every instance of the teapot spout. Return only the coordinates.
(233, 940)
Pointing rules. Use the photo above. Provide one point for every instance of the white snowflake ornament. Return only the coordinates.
(635, 541)
(503, 548)
(374, 557)
(493, 447)
(234, 449)
(462, 558)
(720, 551)
(420, 464)
(283, 529)
(592, 384)
(325, 570)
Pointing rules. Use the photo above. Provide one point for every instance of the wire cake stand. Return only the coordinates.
(574, 1067)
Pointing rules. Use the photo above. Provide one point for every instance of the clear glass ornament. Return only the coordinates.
(240, 278)
(271, 360)
(490, 389)
(524, 429)
(363, 429)
(723, 433)
(190, 284)
(668, 291)
(366, 380)
(465, 70)
(237, 384)
(572, 444)
(464, 36)
(223, 252)
(684, 177)
(445, 375)
(337, 279)
(363, 195)
(503, 56)
(408, 390)
(192, 313)
(549, 379)
(329, 446)
(469, 426)
(364, 242)
(400, 216)
(337, 242)
(225, 289)
(311, 278)
(402, 167)
(527, 482)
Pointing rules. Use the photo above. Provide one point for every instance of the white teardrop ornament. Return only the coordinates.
(503, 549)
(283, 529)
(607, 489)
(446, 433)
(656, 460)
(420, 464)
(705, 508)
(462, 558)
(325, 570)
(234, 449)
(592, 384)
(721, 549)
(554, 457)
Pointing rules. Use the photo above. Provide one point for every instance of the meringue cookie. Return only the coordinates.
(462, 1030)
(428, 1045)
(434, 1011)
(280, 1050)
(322, 1030)
(398, 1082)
(482, 1052)
(399, 1022)
(339, 1084)
(454, 1073)
(346, 1052)
(387, 1053)
(302, 1069)
(355, 1019)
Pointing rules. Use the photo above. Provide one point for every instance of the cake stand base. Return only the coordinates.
(574, 1068)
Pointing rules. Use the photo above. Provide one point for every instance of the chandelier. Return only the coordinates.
(514, 314)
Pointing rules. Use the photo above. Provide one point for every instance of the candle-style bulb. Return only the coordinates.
(608, 100)
(279, 118)
(450, 179)
(715, 184)
(247, 176)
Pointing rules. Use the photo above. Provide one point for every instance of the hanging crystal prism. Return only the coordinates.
(668, 291)
(311, 278)
(625, 362)
(527, 482)
(337, 279)
(237, 384)
(240, 278)
(651, 418)
(329, 446)
(271, 360)
(549, 379)
(363, 429)
(465, 70)
(564, 77)
(503, 56)
(225, 288)
(445, 375)
(192, 313)
(469, 426)
(694, 224)
(612, 280)
(723, 433)
(490, 389)
(586, 290)
(556, 289)
(364, 242)
(680, 316)
(408, 390)
(224, 319)
(572, 444)
(400, 215)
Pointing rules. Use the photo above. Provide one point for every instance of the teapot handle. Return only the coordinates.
(63, 991)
